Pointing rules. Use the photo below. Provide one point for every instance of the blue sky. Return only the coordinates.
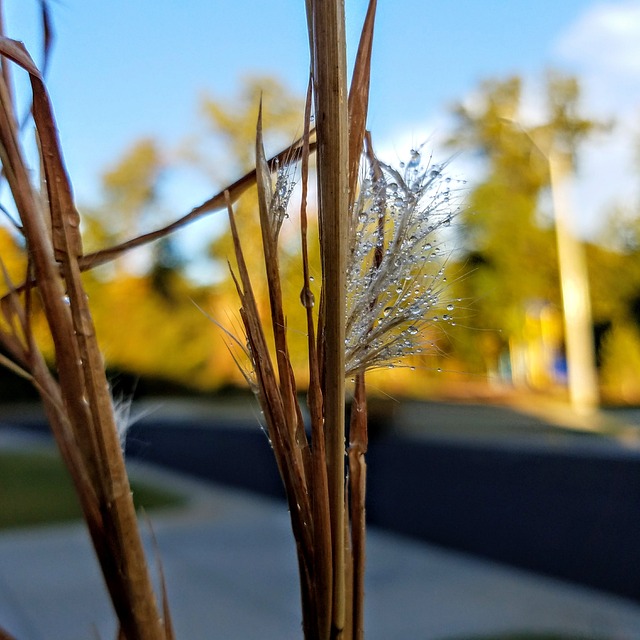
(122, 70)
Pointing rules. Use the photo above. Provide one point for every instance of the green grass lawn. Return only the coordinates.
(35, 489)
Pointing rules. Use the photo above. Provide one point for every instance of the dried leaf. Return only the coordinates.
(65, 219)
(166, 612)
(213, 204)
(359, 98)
(5, 635)
(14, 368)
(263, 184)
(16, 51)
(47, 35)
(79, 409)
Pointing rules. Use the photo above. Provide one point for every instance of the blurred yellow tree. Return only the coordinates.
(13, 257)
(149, 315)
(509, 266)
(233, 123)
(129, 193)
(508, 239)
(144, 310)
(615, 288)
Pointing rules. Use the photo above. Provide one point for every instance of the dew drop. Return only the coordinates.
(307, 298)
(412, 330)
(387, 311)
(449, 307)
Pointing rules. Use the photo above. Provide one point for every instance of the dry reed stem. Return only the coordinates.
(4, 67)
(4, 635)
(359, 98)
(331, 557)
(169, 633)
(20, 344)
(333, 199)
(358, 438)
(323, 570)
(214, 204)
(270, 223)
(82, 416)
(358, 442)
(286, 448)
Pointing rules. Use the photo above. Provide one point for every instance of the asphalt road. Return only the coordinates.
(544, 491)
(230, 568)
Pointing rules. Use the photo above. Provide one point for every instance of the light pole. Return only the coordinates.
(574, 280)
(574, 277)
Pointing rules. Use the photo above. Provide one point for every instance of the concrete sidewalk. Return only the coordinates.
(231, 573)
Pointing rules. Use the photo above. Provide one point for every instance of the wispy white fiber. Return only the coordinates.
(395, 277)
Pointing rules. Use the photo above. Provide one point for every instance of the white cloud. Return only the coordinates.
(606, 37)
(602, 48)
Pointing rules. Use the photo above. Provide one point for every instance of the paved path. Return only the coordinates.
(231, 574)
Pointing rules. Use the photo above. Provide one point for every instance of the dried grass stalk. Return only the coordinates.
(212, 205)
(6, 636)
(319, 488)
(78, 404)
(327, 513)
(330, 89)
(327, 522)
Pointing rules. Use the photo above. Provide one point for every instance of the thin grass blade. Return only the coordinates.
(47, 35)
(359, 98)
(358, 443)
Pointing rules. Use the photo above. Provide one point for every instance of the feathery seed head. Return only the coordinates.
(122, 415)
(284, 185)
(395, 274)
